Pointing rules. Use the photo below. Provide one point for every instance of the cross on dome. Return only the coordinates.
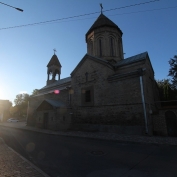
(54, 51)
(101, 8)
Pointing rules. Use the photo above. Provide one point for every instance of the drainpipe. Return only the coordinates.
(143, 100)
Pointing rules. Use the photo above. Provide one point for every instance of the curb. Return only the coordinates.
(31, 164)
(119, 138)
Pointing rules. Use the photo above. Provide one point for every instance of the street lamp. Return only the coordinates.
(12, 7)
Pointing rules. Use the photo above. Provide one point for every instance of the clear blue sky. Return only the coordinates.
(25, 51)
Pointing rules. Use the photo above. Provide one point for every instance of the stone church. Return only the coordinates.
(104, 92)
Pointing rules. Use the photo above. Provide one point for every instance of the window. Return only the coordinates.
(100, 47)
(86, 76)
(111, 46)
(91, 47)
(88, 96)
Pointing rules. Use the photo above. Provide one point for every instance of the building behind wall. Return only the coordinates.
(104, 89)
(5, 106)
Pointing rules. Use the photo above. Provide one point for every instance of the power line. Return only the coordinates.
(127, 13)
(131, 5)
(65, 18)
(150, 10)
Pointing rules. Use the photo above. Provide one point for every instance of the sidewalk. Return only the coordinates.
(99, 135)
(14, 165)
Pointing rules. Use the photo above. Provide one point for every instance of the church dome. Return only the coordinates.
(102, 21)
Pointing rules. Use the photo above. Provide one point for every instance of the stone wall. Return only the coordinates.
(97, 77)
(159, 122)
(58, 119)
(115, 103)
(35, 101)
(104, 34)
(110, 115)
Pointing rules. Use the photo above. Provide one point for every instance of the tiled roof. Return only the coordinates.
(132, 59)
(54, 61)
(55, 103)
(58, 83)
(101, 21)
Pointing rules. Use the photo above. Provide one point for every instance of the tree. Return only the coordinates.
(164, 89)
(166, 92)
(21, 104)
(35, 92)
(13, 110)
(173, 71)
(21, 99)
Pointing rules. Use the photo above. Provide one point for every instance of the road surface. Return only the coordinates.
(62, 156)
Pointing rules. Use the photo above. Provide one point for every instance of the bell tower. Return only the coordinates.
(53, 69)
(104, 39)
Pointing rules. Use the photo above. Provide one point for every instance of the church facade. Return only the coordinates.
(104, 91)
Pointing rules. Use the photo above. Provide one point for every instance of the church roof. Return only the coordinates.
(102, 21)
(54, 61)
(132, 59)
(57, 83)
(93, 58)
(55, 103)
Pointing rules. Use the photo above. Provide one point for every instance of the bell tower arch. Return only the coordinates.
(53, 69)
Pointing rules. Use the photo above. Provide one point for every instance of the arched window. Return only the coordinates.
(111, 40)
(100, 47)
(120, 48)
(57, 73)
(91, 47)
(50, 75)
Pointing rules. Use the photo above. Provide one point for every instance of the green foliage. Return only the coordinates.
(21, 104)
(21, 99)
(164, 89)
(35, 92)
(173, 71)
(166, 92)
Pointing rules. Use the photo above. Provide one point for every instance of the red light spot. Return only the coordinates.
(56, 91)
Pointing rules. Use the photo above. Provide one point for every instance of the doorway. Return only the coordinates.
(45, 123)
(171, 123)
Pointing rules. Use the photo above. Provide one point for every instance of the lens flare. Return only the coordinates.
(56, 91)
(30, 147)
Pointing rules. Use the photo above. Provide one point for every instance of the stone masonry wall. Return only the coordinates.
(116, 102)
(159, 122)
(63, 96)
(58, 119)
(97, 77)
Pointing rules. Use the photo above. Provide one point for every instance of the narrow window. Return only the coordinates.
(100, 47)
(111, 47)
(86, 76)
(87, 96)
(91, 47)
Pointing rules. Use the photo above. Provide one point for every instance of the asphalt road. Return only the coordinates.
(62, 156)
